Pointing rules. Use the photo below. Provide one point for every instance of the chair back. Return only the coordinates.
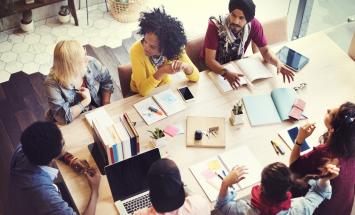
(193, 49)
(124, 74)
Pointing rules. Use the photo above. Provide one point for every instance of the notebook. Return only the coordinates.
(209, 173)
(270, 108)
(252, 68)
(166, 103)
(128, 181)
(289, 135)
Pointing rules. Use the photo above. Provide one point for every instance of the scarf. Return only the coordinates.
(157, 61)
(265, 207)
(230, 44)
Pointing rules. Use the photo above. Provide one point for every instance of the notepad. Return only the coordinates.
(208, 173)
(252, 68)
(166, 102)
(270, 108)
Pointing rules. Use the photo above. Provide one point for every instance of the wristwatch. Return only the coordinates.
(224, 72)
(297, 143)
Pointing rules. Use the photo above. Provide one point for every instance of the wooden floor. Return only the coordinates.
(23, 101)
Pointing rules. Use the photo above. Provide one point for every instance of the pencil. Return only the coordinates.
(278, 147)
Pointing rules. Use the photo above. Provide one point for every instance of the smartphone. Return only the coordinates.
(292, 59)
(186, 93)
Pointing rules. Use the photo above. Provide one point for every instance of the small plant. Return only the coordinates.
(157, 133)
(238, 108)
(64, 10)
(26, 17)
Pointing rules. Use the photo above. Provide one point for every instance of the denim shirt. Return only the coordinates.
(61, 98)
(31, 190)
(302, 205)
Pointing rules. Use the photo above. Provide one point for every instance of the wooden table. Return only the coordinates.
(330, 78)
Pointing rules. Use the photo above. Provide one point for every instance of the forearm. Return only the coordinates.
(91, 207)
(77, 109)
(105, 97)
(223, 190)
(269, 56)
(295, 154)
(215, 66)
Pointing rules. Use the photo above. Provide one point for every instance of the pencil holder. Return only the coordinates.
(236, 119)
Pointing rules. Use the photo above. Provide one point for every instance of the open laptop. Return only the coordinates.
(128, 181)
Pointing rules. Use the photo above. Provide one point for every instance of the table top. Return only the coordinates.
(330, 78)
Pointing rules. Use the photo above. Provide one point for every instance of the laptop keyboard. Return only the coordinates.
(137, 203)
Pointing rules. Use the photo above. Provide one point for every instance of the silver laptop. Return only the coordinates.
(128, 181)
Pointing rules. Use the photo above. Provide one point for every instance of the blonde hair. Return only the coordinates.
(69, 58)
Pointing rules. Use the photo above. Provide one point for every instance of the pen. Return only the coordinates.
(155, 110)
(273, 146)
(219, 176)
(278, 147)
(224, 173)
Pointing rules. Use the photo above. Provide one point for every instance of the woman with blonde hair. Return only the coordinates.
(76, 83)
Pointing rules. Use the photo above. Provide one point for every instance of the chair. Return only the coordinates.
(351, 51)
(87, 10)
(124, 74)
(193, 49)
(275, 31)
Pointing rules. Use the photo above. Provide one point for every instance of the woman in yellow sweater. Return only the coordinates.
(160, 53)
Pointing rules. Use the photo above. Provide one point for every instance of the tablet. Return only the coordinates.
(292, 59)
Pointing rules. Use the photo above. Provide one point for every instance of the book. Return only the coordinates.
(213, 139)
(270, 108)
(252, 69)
(210, 173)
(289, 135)
(134, 130)
(159, 106)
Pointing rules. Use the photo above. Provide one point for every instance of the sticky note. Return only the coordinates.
(207, 174)
(214, 165)
(171, 130)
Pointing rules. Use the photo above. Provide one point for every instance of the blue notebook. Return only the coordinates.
(270, 108)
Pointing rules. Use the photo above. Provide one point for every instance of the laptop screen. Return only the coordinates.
(129, 177)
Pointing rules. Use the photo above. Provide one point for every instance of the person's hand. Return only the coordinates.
(328, 172)
(167, 69)
(80, 166)
(233, 79)
(93, 176)
(85, 94)
(286, 72)
(304, 132)
(237, 174)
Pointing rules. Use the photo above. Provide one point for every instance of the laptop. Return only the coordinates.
(128, 181)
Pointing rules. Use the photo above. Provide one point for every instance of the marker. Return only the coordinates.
(273, 146)
(278, 147)
(155, 110)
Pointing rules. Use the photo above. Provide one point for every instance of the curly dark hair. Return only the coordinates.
(168, 29)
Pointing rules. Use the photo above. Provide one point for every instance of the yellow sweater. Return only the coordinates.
(142, 79)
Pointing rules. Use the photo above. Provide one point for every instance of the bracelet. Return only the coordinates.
(82, 106)
(299, 144)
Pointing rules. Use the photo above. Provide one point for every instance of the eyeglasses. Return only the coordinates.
(300, 87)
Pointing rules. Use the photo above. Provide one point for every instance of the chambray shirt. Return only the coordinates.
(302, 205)
(61, 98)
(31, 189)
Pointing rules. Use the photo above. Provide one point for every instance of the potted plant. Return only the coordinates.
(237, 113)
(157, 138)
(26, 23)
(64, 14)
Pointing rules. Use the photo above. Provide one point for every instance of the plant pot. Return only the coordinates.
(64, 19)
(159, 143)
(27, 27)
(236, 119)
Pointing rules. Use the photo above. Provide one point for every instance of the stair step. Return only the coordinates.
(121, 55)
(127, 43)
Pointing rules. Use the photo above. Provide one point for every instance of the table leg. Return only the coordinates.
(73, 11)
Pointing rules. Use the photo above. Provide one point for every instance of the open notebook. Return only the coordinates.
(252, 68)
(208, 173)
(270, 108)
(166, 103)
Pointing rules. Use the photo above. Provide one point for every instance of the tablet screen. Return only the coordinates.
(292, 59)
